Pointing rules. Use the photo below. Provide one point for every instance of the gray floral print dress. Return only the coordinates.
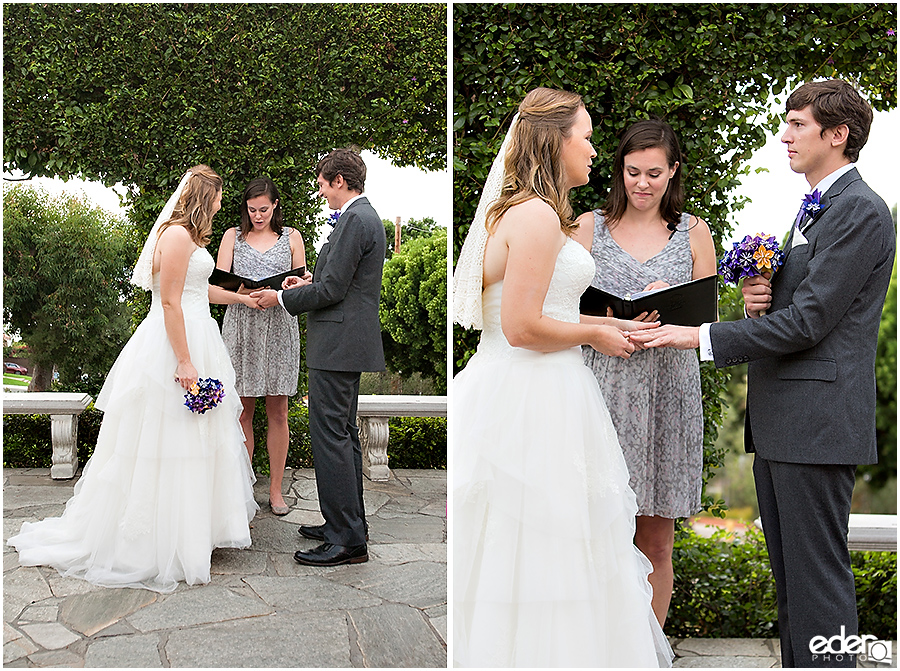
(264, 344)
(654, 397)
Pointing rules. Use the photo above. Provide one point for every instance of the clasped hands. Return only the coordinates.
(757, 294)
(267, 298)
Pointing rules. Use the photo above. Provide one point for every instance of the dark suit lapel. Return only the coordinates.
(323, 253)
(825, 201)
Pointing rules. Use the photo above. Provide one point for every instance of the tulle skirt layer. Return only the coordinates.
(545, 570)
(165, 485)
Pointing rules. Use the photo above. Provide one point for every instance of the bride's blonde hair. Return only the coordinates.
(194, 208)
(533, 166)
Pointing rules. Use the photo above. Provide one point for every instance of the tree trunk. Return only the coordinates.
(41, 377)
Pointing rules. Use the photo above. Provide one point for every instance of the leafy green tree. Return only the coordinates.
(708, 69)
(136, 93)
(65, 282)
(412, 229)
(414, 309)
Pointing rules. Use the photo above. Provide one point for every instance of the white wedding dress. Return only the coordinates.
(165, 485)
(545, 570)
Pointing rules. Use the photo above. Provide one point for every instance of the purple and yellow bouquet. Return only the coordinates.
(751, 256)
(204, 395)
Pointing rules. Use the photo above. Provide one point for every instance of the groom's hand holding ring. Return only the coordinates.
(292, 281)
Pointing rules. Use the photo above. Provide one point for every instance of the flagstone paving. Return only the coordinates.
(260, 608)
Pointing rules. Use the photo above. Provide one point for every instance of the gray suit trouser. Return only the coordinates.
(805, 511)
(337, 455)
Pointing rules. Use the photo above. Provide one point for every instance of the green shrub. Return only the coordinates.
(876, 593)
(417, 442)
(724, 589)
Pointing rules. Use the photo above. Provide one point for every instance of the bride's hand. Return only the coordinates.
(250, 302)
(186, 375)
(643, 322)
(612, 341)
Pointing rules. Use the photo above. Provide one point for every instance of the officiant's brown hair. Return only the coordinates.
(194, 209)
(646, 134)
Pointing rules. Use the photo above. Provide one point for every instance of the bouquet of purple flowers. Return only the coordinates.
(751, 256)
(204, 395)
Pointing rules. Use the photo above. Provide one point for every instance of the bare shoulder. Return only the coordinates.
(584, 233)
(229, 235)
(175, 235)
(703, 250)
(697, 222)
(533, 217)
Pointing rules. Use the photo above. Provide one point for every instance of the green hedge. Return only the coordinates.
(27, 443)
(415, 442)
(724, 589)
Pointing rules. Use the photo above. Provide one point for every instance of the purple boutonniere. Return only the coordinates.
(333, 217)
(811, 203)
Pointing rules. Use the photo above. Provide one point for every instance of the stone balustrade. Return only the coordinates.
(64, 409)
(373, 413)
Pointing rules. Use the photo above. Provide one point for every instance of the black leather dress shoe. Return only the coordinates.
(332, 555)
(317, 533)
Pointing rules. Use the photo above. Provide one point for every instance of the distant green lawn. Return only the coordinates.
(20, 380)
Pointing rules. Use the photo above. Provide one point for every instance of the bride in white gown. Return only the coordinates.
(545, 571)
(165, 485)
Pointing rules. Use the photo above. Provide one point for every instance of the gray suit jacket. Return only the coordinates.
(811, 378)
(343, 330)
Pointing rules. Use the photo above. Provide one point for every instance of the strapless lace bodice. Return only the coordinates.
(195, 297)
(572, 274)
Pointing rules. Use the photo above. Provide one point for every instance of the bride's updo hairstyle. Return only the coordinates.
(533, 166)
(194, 209)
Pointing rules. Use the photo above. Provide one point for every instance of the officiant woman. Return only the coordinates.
(643, 239)
(264, 344)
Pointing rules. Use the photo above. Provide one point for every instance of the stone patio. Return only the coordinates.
(261, 608)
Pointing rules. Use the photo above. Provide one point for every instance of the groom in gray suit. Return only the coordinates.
(343, 339)
(811, 376)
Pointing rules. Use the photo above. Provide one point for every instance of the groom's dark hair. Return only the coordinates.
(348, 164)
(833, 103)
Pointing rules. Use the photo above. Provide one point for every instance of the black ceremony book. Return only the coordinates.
(233, 282)
(689, 304)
